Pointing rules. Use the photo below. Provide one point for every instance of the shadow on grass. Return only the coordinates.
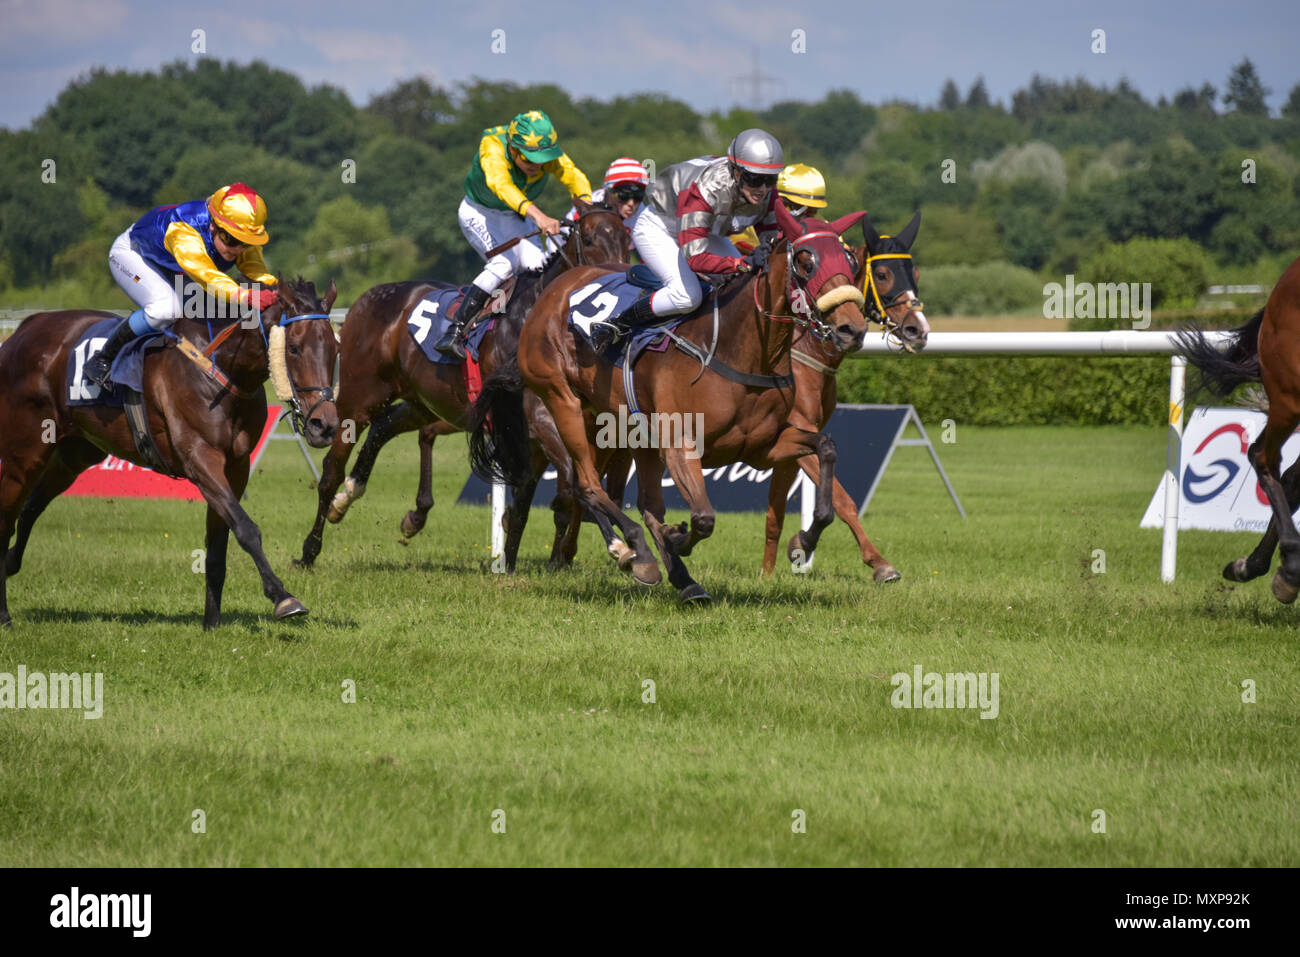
(291, 630)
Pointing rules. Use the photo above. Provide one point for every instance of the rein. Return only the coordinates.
(205, 360)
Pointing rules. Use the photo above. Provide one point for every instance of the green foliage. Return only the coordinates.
(1177, 269)
(1246, 93)
(953, 236)
(989, 289)
(1014, 390)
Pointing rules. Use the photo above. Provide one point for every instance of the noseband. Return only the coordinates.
(296, 416)
(878, 309)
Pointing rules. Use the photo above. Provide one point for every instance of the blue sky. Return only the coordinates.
(690, 49)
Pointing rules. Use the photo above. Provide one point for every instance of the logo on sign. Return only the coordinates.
(1201, 486)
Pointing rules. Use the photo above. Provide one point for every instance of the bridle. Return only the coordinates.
(575, 236)
(877, 309)
(297, 417)
(806, 315)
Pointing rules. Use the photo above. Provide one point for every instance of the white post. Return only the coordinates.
(498, 532)
(1173, 467)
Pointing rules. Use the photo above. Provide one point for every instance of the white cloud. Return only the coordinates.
(66, 21)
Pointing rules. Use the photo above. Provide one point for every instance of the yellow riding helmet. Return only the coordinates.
(241, 212)
(801, 185)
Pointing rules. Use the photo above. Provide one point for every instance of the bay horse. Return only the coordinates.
(205, 421)
(890, 279)
(745, 400)
(381, 364)
(1267, 350)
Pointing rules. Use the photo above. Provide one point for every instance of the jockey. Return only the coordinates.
(507, 174)
(802, 188)
(678, 232)
(200, 240)
(623, 190)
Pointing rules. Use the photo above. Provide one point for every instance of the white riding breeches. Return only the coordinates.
(486, 229)
(147, 288)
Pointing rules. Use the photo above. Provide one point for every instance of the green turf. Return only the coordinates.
(477, 692)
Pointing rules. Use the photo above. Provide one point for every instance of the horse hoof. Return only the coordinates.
(794, 550)
(622, 554)
(411, 526)
(694, 593)
(1236, 571)
(1283, 590)
(6, 621)
(289, 608)
(646, 573)
(886, 573)
(304, 564)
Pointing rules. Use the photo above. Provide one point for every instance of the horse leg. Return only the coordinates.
(17, 478)
(847, 509)
(1261, 559)
(777, 490)
(572, 427)
(71, 457)
(515, 519)
(676, 541)
(1265, 454)
(804, 542)
(413, 521)
(214, 567)
(222, 481)
(331, 473)
(393, 420)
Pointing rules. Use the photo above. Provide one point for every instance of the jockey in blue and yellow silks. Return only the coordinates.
(200, 240)
(508, 173)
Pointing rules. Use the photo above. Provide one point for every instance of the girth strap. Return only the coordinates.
(812, 363)
(137, 418)
(711, 361)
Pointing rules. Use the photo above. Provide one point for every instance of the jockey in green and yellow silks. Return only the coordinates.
(506, 177)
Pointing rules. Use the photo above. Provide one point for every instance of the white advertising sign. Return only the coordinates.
(1220, 492)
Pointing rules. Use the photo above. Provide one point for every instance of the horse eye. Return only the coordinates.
(294, 350)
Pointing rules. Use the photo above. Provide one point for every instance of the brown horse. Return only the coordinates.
(205, 428)
(745, 400)
(382, 364)
(1266, 349)
(890, 278)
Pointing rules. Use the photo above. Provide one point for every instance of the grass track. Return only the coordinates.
(476, 692)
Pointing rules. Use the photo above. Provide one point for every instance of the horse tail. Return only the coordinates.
(1222, 370)
(499, 449)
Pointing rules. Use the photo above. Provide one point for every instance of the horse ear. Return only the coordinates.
(331, 294)
(908, 235)
(790, 227)
(869, 233)
(581, 205)
(845, 222)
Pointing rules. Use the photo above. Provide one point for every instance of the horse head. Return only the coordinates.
(892, 282)
(301, 352)
(823, 268)
(599, 236)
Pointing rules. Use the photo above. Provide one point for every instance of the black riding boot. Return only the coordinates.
(605, 334)
(453, 341)
(100, 364)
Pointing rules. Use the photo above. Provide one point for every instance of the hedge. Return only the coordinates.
(1015, 390)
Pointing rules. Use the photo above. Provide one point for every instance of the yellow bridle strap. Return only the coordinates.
(868, 286)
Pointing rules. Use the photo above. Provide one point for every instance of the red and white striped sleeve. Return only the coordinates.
(694, 219)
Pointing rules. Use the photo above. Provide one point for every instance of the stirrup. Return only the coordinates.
(452, 343)
(604, 334)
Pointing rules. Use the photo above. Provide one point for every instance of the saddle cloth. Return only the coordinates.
(128, 367)
(431, 318)
(608, 297)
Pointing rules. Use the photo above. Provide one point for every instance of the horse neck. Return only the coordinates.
(749, 339)
(810, 385)
(243, 357)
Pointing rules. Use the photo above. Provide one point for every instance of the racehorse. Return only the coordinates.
(206, 412)
(1266, 349)
(381, 364)
(747, 405)
(890, 278)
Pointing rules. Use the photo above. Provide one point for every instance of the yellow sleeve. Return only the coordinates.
(574, 180)
(186, 247)
(495, 161)
(252, 266)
